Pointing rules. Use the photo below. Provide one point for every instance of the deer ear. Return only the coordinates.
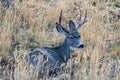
(60, 29)
(72, 25)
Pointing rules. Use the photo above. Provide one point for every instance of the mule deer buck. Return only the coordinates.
(56, 55)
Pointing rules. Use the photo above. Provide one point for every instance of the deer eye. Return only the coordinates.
(71, 37)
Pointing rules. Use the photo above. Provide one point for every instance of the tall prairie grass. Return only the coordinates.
(30, 24)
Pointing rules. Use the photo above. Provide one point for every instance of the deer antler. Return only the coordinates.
(60, 17)
(80, 20)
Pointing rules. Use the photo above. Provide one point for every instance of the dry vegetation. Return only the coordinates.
(30, 24)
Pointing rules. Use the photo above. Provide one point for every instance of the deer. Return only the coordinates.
(55, 56)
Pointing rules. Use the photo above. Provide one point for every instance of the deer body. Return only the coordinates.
(58, 54)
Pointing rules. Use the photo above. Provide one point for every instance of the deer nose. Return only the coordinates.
(81, 46)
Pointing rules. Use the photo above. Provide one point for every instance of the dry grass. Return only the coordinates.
(31, 25)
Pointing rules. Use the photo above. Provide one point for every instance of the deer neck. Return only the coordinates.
(66, 50)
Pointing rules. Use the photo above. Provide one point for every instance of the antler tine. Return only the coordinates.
(60, 16)
(80, 12)
(80, 20)
(85, 15)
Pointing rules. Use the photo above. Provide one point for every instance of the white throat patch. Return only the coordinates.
(72, 48)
